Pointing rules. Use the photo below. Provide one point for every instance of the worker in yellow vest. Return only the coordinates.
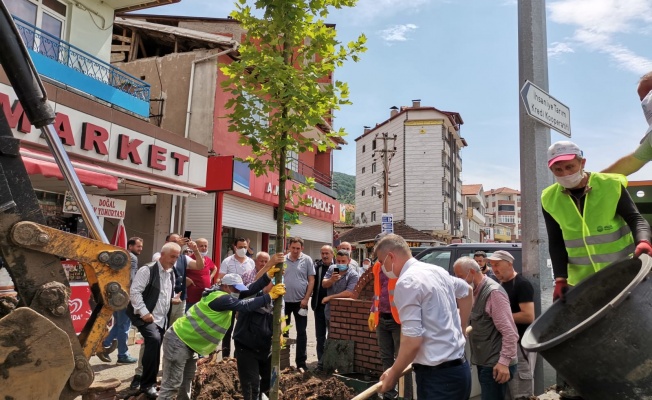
(590, 218)
(384, 320)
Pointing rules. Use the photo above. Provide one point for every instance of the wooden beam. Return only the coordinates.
(117, 57)
(118, 48)
(133, 49)
(123, 39)
(141, 46)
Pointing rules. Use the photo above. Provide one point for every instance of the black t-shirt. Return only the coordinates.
(519, 290)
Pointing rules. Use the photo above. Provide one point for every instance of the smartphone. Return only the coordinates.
(186, 234)
(336, 271)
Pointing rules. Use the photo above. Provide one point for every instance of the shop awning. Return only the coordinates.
(50, 169)
(95, 172)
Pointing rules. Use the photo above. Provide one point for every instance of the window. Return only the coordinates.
(362, 193)
(373, 145)
(373, 190)
(373, 168)
(440, 258)
(48, 15)
(292, 161)
(373, 216)
(506, 207)
(508, 219)
(363, 148)
(363, 169)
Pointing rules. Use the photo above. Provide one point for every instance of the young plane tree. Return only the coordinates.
(283, 97)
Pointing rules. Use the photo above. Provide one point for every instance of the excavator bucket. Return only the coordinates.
(33, 348)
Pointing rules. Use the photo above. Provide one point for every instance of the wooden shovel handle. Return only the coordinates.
(374, 389)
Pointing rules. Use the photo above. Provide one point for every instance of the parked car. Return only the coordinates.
(445, 256)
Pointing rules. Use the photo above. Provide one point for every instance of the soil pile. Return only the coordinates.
(219, 381)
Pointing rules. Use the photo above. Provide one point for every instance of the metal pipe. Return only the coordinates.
(72, 180)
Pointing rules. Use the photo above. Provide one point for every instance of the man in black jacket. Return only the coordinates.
(318, 294)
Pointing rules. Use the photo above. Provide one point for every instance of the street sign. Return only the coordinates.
(387, 223)
(546, 109)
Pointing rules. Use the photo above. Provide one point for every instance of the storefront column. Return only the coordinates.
(161, 220)
(217, 236)
(264, 246)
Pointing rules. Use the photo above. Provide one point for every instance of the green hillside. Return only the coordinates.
(345, 187)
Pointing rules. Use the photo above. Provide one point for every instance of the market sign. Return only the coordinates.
(102, 206)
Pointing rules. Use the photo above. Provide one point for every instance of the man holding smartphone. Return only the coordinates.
(340, 280)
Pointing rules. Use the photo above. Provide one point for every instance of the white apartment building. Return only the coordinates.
(504, 209)
(425, 189)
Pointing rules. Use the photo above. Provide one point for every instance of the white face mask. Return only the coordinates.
(647, 107)
(235, 295)
(570, 181)
(204, 254)
(241, 252)
(390, 274)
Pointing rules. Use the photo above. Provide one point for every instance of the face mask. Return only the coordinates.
(342, 267)
(390, 274)
(241, 252)
(204, 254)
(365, 266)
(235, 295)
(647, 107)
(570, 181)
(472, 283)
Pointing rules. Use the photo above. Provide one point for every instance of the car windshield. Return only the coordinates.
(441, 258)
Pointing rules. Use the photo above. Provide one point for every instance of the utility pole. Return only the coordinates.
(387, 153)
(534, 141)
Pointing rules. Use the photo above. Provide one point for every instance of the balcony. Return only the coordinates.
(65, 63)
(478, 217)
(299, 171)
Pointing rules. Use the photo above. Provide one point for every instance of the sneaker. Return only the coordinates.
(135, 383)
(103, 356)
(126, 359)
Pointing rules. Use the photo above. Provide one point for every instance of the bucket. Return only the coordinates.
(600, 339)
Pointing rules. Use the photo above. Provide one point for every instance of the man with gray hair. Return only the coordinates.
(432, 329)
(493, 334)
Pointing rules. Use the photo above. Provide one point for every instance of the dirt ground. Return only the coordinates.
(220, 381)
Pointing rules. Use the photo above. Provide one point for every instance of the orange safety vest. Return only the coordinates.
(391, 285)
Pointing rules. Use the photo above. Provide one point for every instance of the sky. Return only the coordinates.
(462, 56)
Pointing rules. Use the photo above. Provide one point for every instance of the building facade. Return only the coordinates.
(103, 121)
(474, 218)
(185, 75)
(504, 214)
(424, 189)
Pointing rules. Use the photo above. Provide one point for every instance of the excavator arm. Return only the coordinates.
(40, 354)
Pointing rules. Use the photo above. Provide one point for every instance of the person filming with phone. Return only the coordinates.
(340, 280)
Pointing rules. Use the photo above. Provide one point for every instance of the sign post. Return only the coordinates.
(546, 109)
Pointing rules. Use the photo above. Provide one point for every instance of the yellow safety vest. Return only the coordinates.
(598, 236)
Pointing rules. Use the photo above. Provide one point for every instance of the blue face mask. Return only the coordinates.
(342, 267)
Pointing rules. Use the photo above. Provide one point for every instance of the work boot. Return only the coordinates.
(103, 356)
(135, 383)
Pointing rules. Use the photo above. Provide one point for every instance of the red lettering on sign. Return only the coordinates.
(180, 161)
(156, 157)
(129, 148)
(94, 137)
(64, 130)
(15, 114)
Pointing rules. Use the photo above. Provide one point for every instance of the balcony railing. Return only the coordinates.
(308, 171)
(64, 53)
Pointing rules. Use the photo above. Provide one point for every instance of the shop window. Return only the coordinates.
(48, 15)
(292, 162)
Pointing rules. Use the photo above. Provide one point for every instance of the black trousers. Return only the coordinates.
(254, 372)
(153, 336)
(226, 341)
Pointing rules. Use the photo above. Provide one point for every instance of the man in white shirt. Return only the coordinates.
(240, 264)
(151, 296)
(432, 333)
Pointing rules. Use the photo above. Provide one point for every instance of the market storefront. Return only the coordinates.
(240, 204)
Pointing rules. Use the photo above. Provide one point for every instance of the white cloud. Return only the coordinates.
(599, 22)
(397, 33)
(558, 48)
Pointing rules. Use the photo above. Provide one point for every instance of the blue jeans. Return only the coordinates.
(491, 390)
(321, 327)
(119, 331)
(453, 383)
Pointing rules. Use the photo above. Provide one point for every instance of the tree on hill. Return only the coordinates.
(281, 88)
(345, 187)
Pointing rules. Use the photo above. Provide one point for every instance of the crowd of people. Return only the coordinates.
(422, 315)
